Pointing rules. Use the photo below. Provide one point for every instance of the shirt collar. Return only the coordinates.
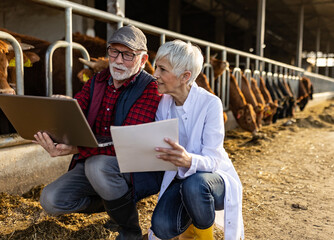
(189, 103)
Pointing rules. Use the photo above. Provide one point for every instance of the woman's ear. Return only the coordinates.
(186, 76)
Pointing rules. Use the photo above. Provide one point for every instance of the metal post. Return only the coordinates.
(261, 10)
(162, 39)
(119, 25)
(300, 37)
(317, 49)
(174, 20)
(48, 61)
(207, 70)
(116, 7)
(68, 51)
(327, 53)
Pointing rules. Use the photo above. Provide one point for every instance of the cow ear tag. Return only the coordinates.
(12, 62)
(85, 77)
(28, 63)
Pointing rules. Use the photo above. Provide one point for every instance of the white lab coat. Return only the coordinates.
(204, 125)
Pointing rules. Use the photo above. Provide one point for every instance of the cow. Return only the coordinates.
(4, 85)
(291, 101)
(263, 96)
(7, 63)
(218, 66)
(305, 92)
(272, 105)
(250, 98)
(202, 81)
(35, 76)
(242, 111)
(278, 97)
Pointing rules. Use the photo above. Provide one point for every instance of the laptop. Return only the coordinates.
(61, 118)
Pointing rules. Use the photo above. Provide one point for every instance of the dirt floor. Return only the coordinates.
(287, 175)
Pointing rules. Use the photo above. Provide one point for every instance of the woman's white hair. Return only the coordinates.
(183, 57)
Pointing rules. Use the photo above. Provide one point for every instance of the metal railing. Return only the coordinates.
(18, 61)
(49, 68)
(261, 64)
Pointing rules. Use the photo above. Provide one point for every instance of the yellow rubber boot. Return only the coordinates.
(189, 234)
(204, 234)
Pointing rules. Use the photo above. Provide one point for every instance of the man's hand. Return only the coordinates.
(53, 149)
(176, 155)
(61, 96)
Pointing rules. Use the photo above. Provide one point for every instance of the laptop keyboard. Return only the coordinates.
(103, 139)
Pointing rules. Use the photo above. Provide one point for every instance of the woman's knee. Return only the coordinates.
(194, 186)
(161, 228)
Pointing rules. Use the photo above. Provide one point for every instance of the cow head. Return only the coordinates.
(85, 74)
(246, 118)
(219, 66)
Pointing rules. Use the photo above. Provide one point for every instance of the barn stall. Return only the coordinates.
(25, 165)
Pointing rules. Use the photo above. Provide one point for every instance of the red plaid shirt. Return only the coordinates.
(142, 111)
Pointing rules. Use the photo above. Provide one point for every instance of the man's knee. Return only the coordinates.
(48, 201)
(103, 174)
(96, 165)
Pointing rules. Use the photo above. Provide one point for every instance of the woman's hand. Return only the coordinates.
(53, 149)
(177, 155)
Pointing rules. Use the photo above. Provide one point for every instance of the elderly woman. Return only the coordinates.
(193, 197)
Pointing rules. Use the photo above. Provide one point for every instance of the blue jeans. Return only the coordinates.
(191, 200)
(97, 177)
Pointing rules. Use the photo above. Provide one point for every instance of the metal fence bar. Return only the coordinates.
(48, 62)
(68, 51)
(109, 17)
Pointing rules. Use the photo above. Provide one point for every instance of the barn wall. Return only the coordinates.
(26, 17)
(28, 165)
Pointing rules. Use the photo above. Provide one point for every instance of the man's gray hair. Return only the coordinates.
(183, 57)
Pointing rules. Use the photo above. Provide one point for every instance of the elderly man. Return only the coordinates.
(123, 94)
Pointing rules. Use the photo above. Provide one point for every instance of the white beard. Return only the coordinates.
(125, 75)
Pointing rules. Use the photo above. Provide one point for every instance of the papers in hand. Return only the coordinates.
(135, 145)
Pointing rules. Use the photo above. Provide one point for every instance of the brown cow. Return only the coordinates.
(290, 112)
(7, 59)
(219, 66)
(242, 111)
(4, 86)
(302, 98)
(265, 98)
(7, 65)
(250, 98)
(305, 92)
(35, 76)
(202, 81)
(309, 86)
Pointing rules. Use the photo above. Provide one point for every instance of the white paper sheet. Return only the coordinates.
(135, 145)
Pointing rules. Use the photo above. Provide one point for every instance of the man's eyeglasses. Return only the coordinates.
(127, 56)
